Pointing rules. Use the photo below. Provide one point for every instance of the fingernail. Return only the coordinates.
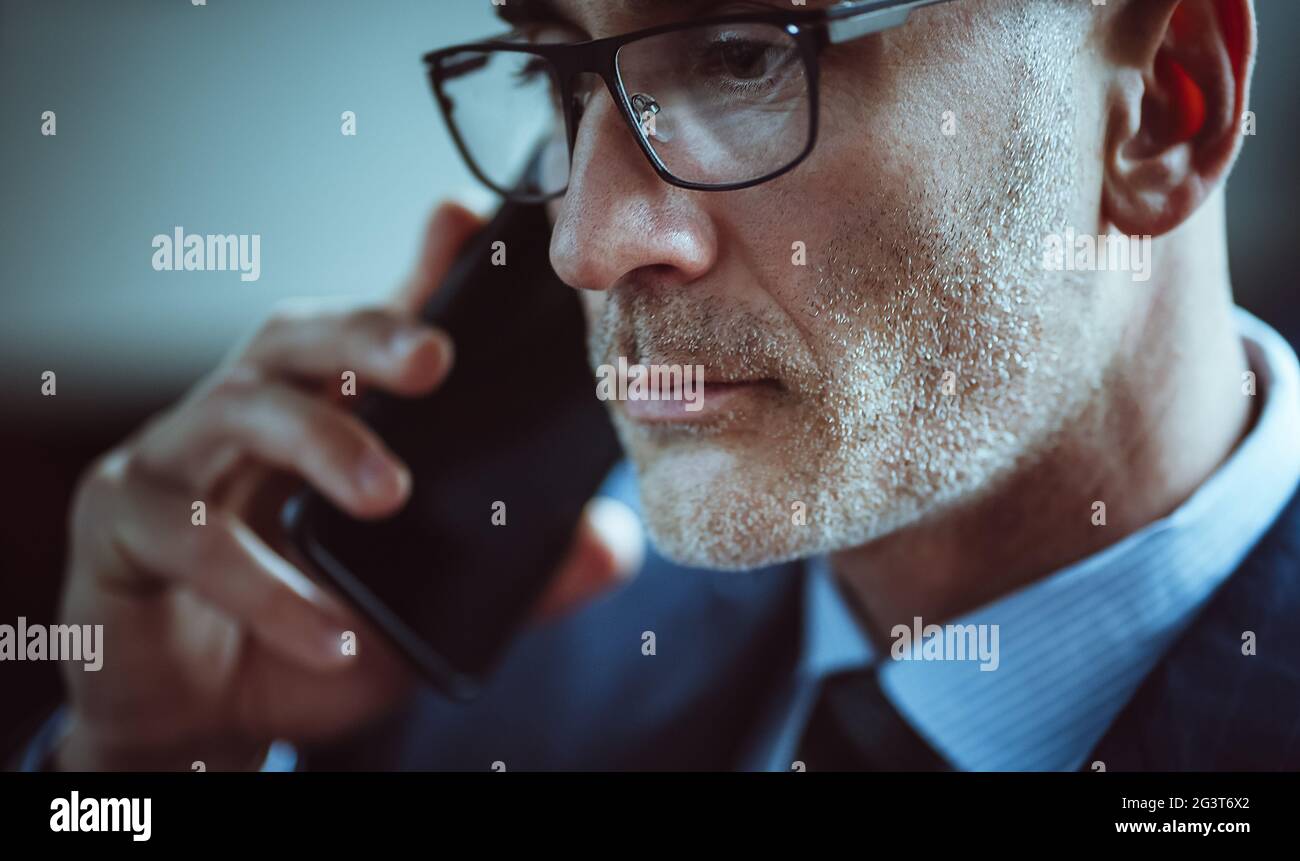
(406, 342)
(445, 346)
(377, 476)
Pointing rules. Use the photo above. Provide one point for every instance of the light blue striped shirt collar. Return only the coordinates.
(1073, 647)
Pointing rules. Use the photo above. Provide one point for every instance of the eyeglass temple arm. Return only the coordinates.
(464, 67)
(853, 20)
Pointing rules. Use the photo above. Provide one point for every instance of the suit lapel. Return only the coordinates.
(1207, 706)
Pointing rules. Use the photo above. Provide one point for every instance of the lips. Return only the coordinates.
(712, 400)
(712, 372)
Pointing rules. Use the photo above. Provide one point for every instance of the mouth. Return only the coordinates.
(708, 401)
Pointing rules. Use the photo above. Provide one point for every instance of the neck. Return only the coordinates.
(1170, 413)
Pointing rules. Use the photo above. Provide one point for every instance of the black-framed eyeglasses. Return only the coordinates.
(715, 104)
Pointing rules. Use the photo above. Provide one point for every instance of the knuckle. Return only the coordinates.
(101, 483)
(130, 467)
(236, 385)
(107, 472)
(285, 315)
(279, 323)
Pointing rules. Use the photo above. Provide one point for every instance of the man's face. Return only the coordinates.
(921, 353)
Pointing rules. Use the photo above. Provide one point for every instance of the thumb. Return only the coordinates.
(608, 548)
(449, 228)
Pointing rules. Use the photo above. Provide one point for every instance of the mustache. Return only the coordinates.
(674, 327)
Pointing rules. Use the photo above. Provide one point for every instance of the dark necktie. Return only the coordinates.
(854, 727)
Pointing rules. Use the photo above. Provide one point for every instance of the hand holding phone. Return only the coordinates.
(608, 543)
(219, 643)
(503, 458)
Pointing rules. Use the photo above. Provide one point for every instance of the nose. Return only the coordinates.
(618, 217)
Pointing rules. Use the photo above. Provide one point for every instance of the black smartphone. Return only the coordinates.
(503, 458)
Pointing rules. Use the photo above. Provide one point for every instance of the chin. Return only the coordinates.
(709, 506)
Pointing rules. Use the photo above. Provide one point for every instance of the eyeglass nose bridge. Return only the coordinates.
(578, 89)
(602, 64)
(639, 113)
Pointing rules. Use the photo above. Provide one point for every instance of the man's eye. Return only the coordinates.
(743, 59)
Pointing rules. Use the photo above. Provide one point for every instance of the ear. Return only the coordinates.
(1175, 108)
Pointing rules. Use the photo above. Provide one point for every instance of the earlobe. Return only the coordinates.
(1175, 109)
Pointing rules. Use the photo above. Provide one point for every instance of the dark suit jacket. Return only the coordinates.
(580, 694)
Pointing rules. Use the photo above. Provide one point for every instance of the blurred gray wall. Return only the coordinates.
(222, 118)
(225, 118)
(1263, 210)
